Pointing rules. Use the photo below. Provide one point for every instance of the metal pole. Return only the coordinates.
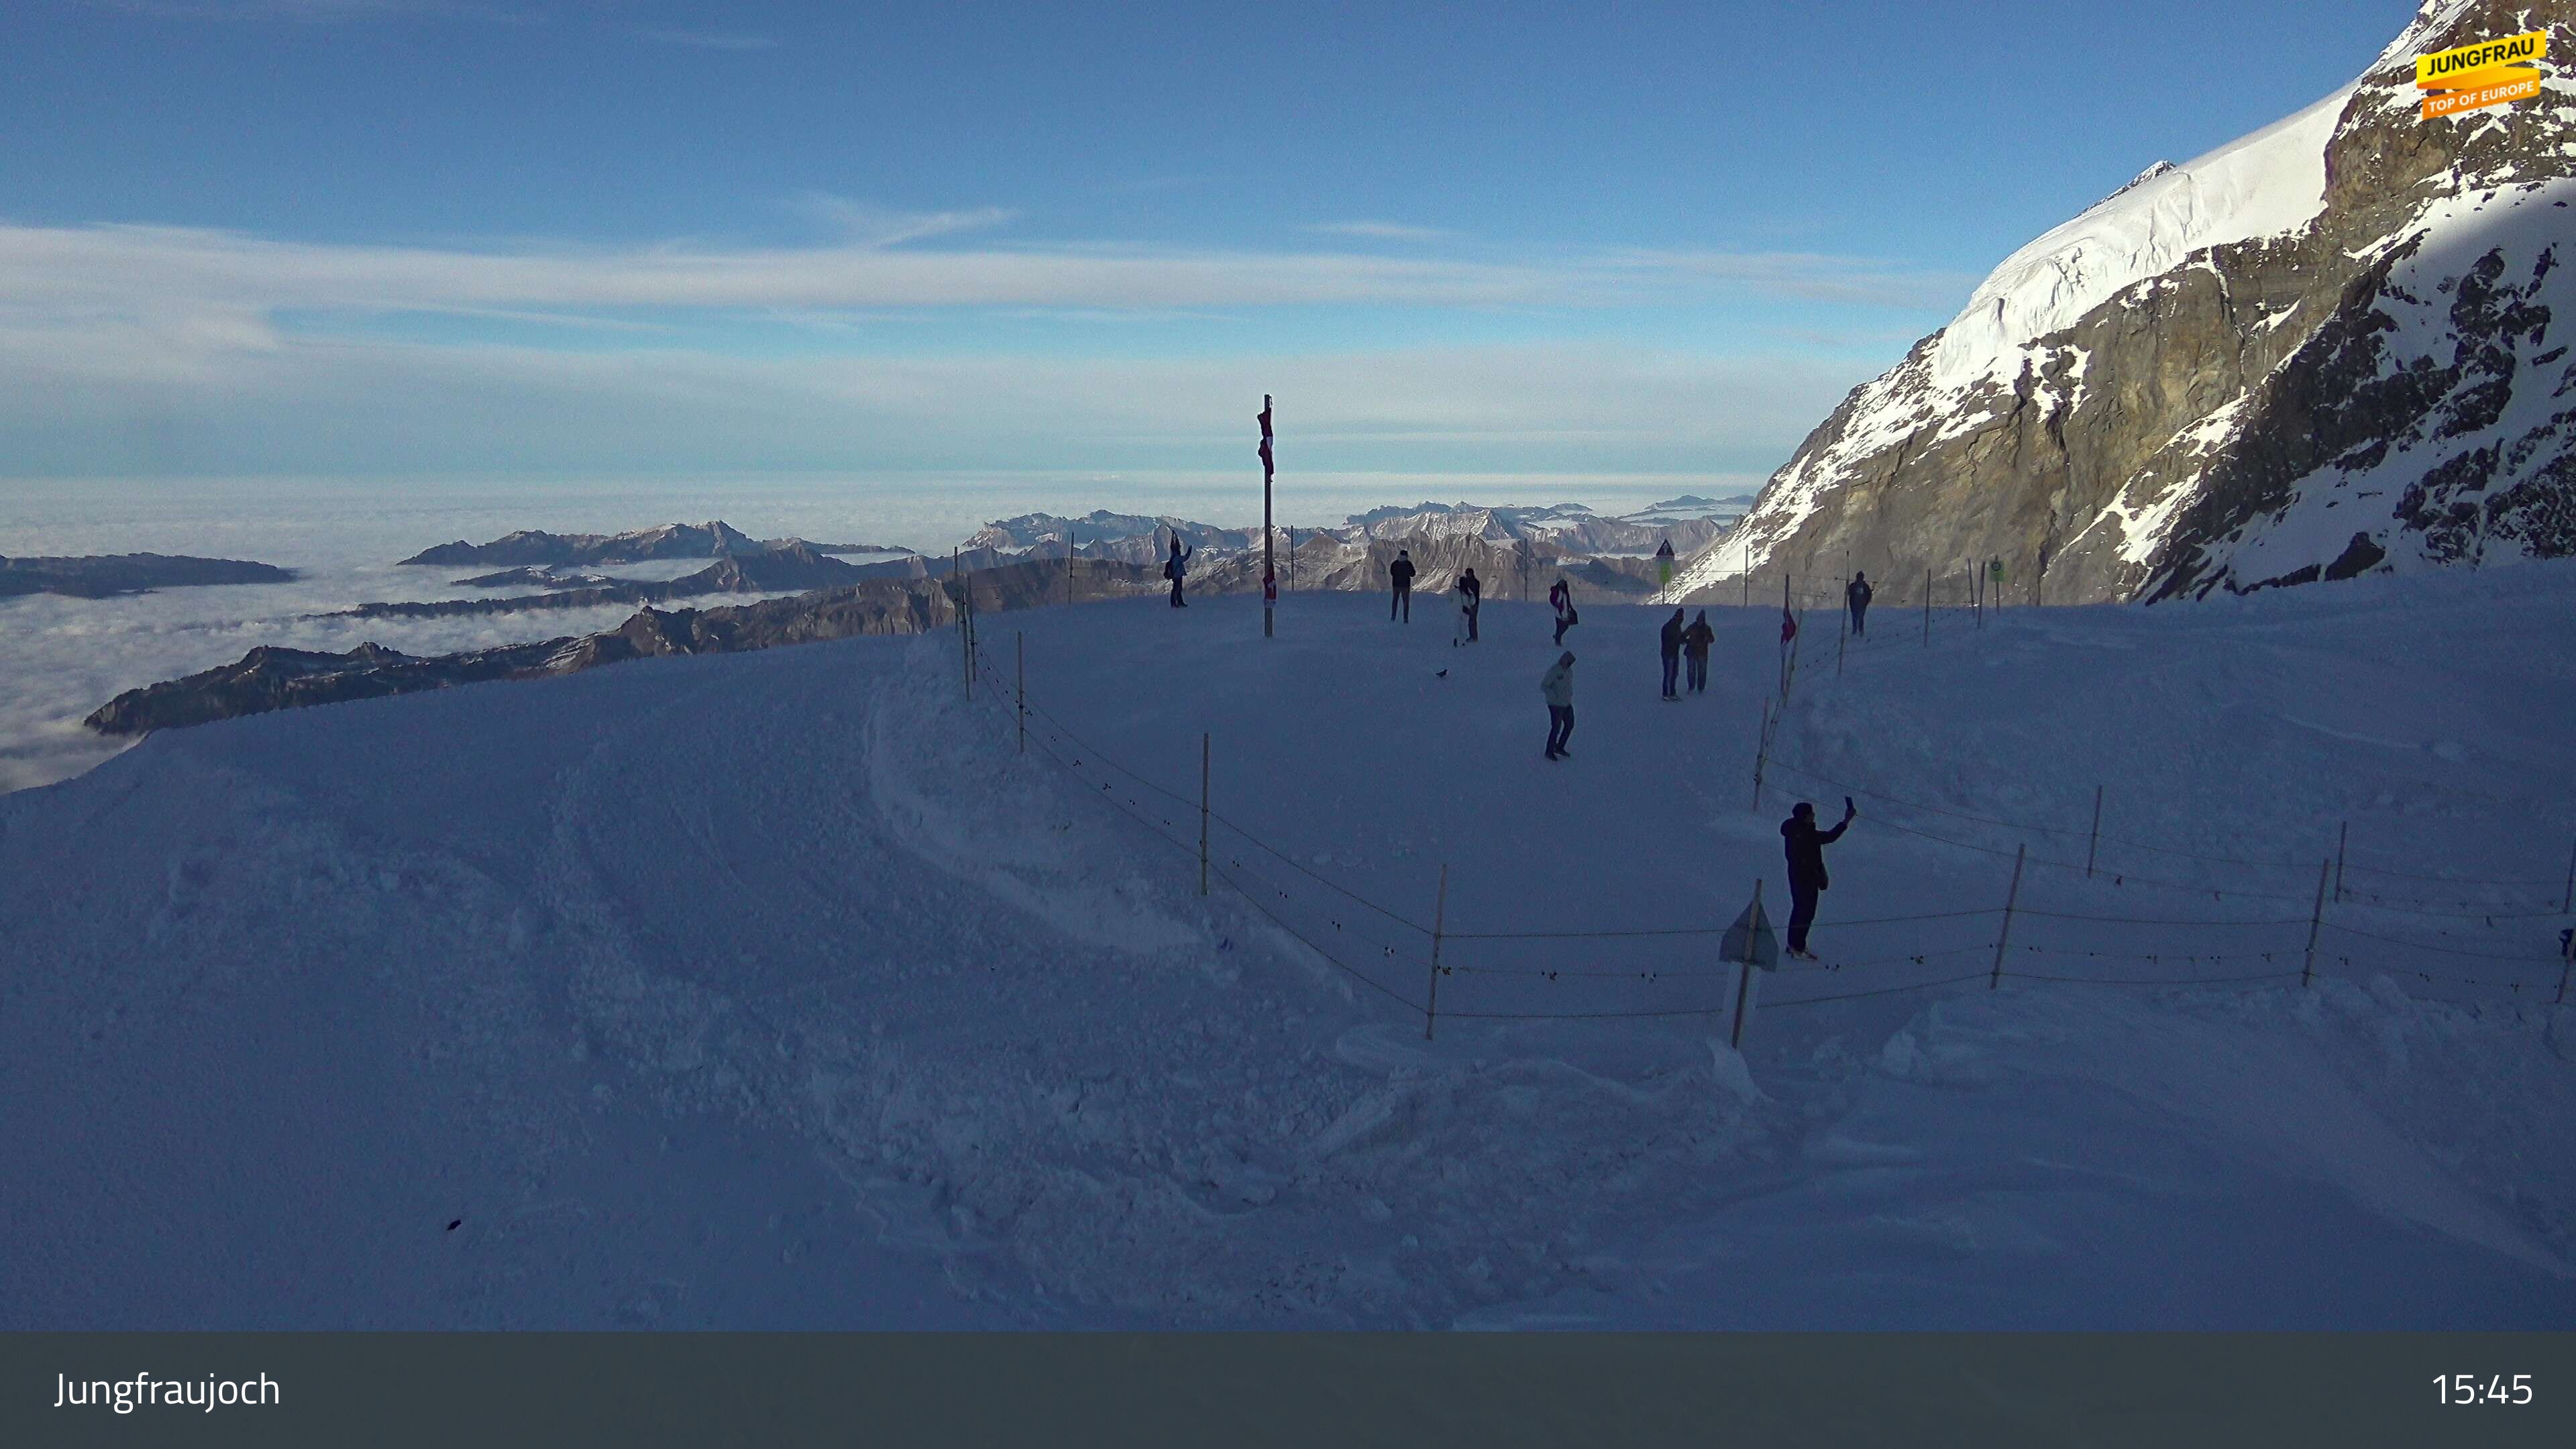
(1927, 608)
(2003, 938)
(1744, 983)
(2316, 919)
(2343, 831)
(2566, 966)
(1439, 924)
(1020, 658)
(2567, 903)
(1203, 813)
(2090, 850)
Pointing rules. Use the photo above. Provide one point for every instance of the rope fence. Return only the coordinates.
(1338, 936)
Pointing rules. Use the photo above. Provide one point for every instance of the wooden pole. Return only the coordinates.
(2343, 831)
(1761, 754)
(1269, 571)
(1439, 924)
(1744, 982)
(1020, 653)
(1203, 813)
(1068, 561)
(965, 651)
(1292, 558)
(1927, 608)
(2567, 903)
(2567, 965)
(2316, 919)
(2003, 938)
(2095, 846)
(1844, 637)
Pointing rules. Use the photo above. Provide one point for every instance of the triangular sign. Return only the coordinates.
(1750, 939)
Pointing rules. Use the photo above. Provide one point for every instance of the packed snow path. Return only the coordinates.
(780, 990)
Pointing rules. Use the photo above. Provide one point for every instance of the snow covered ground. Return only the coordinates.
(781, 990)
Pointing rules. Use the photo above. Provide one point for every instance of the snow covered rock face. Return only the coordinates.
(2321, 350)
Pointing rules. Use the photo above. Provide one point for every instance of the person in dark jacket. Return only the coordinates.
(1400, 573)
(1471, 599)
(1672, 640)
(1806, 846)
(1856, 594)
(1695, 642)
(1174, 567)
(1560, 597)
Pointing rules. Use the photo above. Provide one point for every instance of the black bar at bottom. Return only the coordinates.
(1309, 1389)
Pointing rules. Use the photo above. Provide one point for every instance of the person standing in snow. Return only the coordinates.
(1856, 594)
(1174, 567)
(1557, 687)
(1471, 599)
(1695, 642)
(1400, 573)
(1560, 597)
(1672, 641)
(1664, 562)
(1806, 846)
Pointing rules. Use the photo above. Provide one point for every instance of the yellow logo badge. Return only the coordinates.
(2489, 73)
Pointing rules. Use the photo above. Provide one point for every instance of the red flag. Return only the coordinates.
(1788, 624)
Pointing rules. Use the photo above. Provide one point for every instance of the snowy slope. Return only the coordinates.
(781, 990)
(2270, 181)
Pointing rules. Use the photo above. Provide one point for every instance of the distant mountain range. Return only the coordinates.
(671, 540)
(105, 576)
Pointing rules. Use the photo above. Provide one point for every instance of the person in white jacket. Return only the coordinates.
(1557, 687)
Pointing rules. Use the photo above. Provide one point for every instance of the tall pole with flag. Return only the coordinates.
(1269, 578)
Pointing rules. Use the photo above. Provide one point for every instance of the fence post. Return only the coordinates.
(2095, 846)
(1842, 635)
(1744, 983)
(1020, 659)
(1439, 925)
(1927, 608)
(2316, 919)
(2567, 962)
(1761, 754)
(2343, 830)
(2567, 903)
(2003, 938)
(1203, 813)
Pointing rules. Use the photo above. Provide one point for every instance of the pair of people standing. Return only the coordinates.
(1687, 642)
(1471, 602)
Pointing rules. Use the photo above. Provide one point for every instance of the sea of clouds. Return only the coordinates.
(61, 658)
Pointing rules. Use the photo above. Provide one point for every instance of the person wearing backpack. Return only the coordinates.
(1471, 598)
(1672, 645)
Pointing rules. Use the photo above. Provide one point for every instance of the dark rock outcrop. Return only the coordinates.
(106, 575)
(269, 678)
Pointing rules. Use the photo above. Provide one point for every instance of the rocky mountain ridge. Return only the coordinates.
(2319, 351)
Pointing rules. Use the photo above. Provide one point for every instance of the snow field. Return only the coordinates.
(780, 990)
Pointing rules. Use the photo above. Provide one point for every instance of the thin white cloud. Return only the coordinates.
(864, 224)
(710, 39)
(315, 12)
(1380, 231)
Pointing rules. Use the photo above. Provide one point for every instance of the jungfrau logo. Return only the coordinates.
(2489, 73)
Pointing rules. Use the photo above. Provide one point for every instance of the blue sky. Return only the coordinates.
(537, 237)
